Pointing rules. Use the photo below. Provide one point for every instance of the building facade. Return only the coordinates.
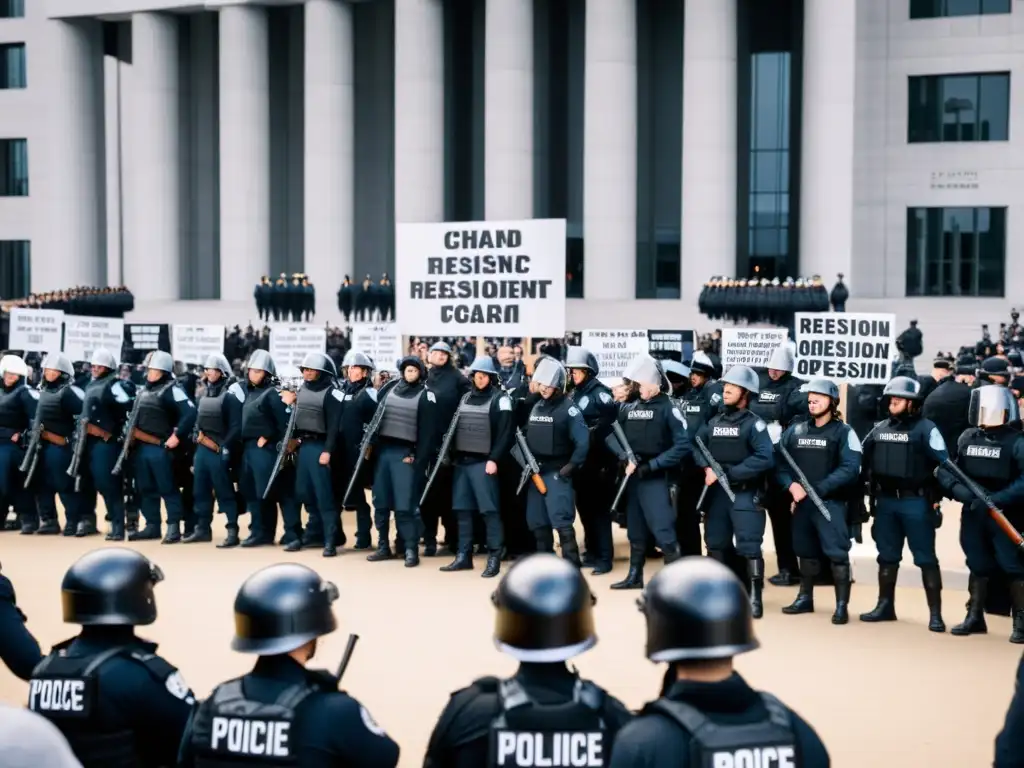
(185, 148)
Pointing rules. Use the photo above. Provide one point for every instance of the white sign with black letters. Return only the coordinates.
(850, 347)
(614, 349)
(35, 330)
(381, 341)
(750, 346)
(493, 278)
(289, 343)
(83, 335)
(192, 344)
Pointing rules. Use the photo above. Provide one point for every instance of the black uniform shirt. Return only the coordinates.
(19, 650)
(1010, 741)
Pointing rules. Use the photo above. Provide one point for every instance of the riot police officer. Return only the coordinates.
(360, 405)
(698, 404)
(282, 713)
(557, 437)
(991, 453)
(116, 701)
(165, 417)
(318, 418)
(778, 402)
(544, 618)
(900, 456)
(594, 482)
(739, 443)
(484, 432)
(656, 439)
(218, 432)
(17, 412)
(19, 650)
(828, 453)
(698, 620)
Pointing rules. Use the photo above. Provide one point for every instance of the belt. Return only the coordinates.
(902, 493)
(53, 438)
(145, 437)
(102, 434)
(206, 442)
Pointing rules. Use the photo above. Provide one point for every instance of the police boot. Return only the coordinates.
(463, 560)
(672, 553)
(69, 527)
(635, 577)
(412, 557)
(29, 525)
(755, 569)
(804, 602)
(173, 534)
(231, 540)
(116, 531)
(570, 549)
(841, 574)
(545, 540)
(1017, 598)
(48, 527)
(200, 534)
(85, 527)
(974, 623)
(786, 578)
(383, 551)
(932, 578)
(149, 532)
(885, 609)
(493, 564)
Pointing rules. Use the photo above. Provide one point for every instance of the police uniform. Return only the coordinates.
(829, 457)
(318, 405)
(17, 413)
(359, 406)
(19, 650)
(900, 456)
(697, 614)
(991, 453)
(545, 714)
(1010, 740)
(594, 482)
(116, 701)
(655, 433)
(739, 441)
(218, 432)
(557, 437)
(698, 404)
(282, 713)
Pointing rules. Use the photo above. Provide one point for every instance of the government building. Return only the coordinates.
(184, 148)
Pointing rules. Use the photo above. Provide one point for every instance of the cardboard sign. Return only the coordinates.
(614, 349)
(192, 344)
(381, 341)
(846, 347)
(35, 330)
(83, 335)
(289, 343)
(750, 346)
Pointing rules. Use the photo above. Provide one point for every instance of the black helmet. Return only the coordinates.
(282, 607)
(112, 587)
(696, 608)
(545, 610)
(903, 386)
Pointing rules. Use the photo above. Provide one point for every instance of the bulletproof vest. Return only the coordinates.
(770, 743)
(770, 404)
(154, 418)
(310, 405)
(401, 417)
(50, 409)
(65, 690)
(547, 432)
(256, 423)
(473, 431)
(897, 460)
(588, 400)
(95, 408)
(815, 451)
(695, 408)
(988, 459)
(210, 416)
(645, 427)
(230, 729)
(528, 734)
(12, 412)
(728, 438)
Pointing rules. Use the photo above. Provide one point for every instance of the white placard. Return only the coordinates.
(192, 344)
(289, 343)
(494, 278)
(36, 330)
(850, 347)
(750, 346)
(614, 349)
(381, 341)
(83, 335)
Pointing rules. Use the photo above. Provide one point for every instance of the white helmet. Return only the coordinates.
(13, 364)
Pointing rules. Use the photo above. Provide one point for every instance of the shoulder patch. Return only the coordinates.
(117, 390)
(605, 397)
(852, 441)
(716, 398)
(760, 426)
(78, 391)
(338, 395)
(177, 687)
(34, 394)
(372, 394)
(179, 394)
(584, 402)
(678, 415)
(935, 441)
(504, 403)
(801, 428)
(370, 723)
(431, 397)
(236, 390)
(574, 411)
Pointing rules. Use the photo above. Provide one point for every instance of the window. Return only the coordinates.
(938, 9)
(15, 264)
(768, 234)
(12, 66)
(974, 107)
(13, 168)
(956, 251)
(12, 9)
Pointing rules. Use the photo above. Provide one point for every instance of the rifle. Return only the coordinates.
(346, 657)
(979, 493)
(76, 457)
(630, 457)
(127, 437)
(715, 467)
(282, 449)
(446, 445)
(31, 460)
(531, 469)
(804, 483)
(366, 445)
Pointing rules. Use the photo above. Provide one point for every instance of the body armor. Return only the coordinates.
(645, 427)
(728, 438)
(897, 461)
(770, 404)
(13, 418)
(154, 418)
(401, 417)
(255, 422)
(51, 414)
(210, 416)
(816, 451)
(547, 432)
(95, 407)
(311, 417)
(695, 408)
(988, 459)
(473, 432)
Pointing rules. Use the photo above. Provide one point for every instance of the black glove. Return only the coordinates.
(937, 516)
(962, 494)
(979, 507)
(643, 470)
(566, 471)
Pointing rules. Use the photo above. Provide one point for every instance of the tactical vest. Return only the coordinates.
(897, 461)
(401, 417)
(816, 451)
(231, 730)
(210, 415)
(588, 400)
(256, 423)
(989, 461)
(311, 417)
(50, 411)
(12, 413)
(645, 428)
(95, 407)
(695, 407)
(770, 743)
(547, 432)
(770, 404)
(728, 439)
(65, 690)
(473, 431)
(527, 734)
(154, 418)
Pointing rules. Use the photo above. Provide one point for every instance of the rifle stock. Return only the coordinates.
(530, 465)
(282, 451)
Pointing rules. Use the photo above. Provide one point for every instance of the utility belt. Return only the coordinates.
(895, 491)
(102, 434)
(53, 438)
(145, 437)
(206, 442)
(303, 437)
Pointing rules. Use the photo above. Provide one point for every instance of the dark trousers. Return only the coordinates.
(314, 488)
(899, 520)
(595, 490)
(726, 519)
(51, 479)
(437, 508)
(101, 457)
(777, 502)
(989, 552)
(650, 512)
(211, 478)
(691, 483)
(154, 477)
(258, 463)
(813, 534)
(12, 484)
(518, 539)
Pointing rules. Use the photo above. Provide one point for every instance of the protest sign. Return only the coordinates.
(83, 335)
(847, 347)
(35, 330)
(141, 338)
(192, 344)
(614, 349)
(488, 278)
(670, 345)
(289, 343)
(750, 346)
(381, 341)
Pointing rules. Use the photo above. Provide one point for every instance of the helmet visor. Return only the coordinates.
(643, 369)
(549, 373)
(992, 406)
